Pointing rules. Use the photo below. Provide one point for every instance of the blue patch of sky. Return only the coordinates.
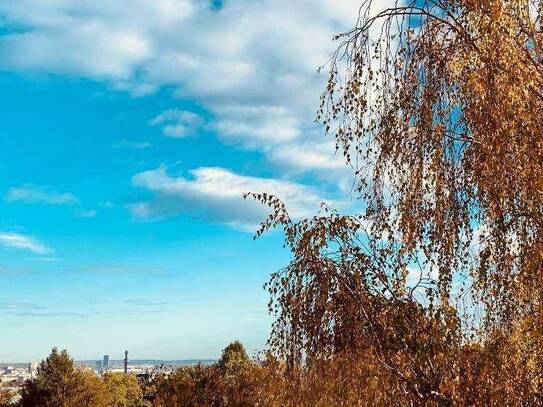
(62, 134)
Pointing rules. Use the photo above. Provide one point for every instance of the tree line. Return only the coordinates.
(232, 381)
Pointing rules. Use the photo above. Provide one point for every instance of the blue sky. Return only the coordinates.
(127, 136)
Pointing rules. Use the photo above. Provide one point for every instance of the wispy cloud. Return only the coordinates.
(257, 126)
(215, 194)
(48, 259)
(138, 145)
(29, 193)
(18, 241)
(16, 270)
(309, 156)
(52, 314)
(142, 302)
(108, 205)
(31, 309)
(178, 123)
(20, 306)
(85, 213)
(112, 268)
(258, 315)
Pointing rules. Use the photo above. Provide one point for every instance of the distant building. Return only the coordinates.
(98, 364)
(125, 362)
(105, 363)
(33, 368)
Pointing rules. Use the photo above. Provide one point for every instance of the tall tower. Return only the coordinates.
(105, 363)
(125, 361)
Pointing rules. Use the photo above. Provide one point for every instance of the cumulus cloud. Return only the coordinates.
(317, 157)
(257, 125)
(308, 156)
(215, 195)
(29, 193)
(178, 123)
(24, 242)
(250, 64)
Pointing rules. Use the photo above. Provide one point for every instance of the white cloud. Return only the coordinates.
(178, 123)
(250, 64)
(215, 194)
(317, 157)
(99, 39)
(24, 242)
(308, 156)
(257, 125)
(29, 193)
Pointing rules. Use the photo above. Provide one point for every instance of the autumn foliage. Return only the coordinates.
(60, 383)
(432, 295)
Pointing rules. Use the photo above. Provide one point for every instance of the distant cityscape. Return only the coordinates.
(13, 375)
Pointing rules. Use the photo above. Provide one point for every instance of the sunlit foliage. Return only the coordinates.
(433, 293)
(6, 396)
(440, 115)
(123, 390)
(60, 383)
(235, 380)
(57, 383)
